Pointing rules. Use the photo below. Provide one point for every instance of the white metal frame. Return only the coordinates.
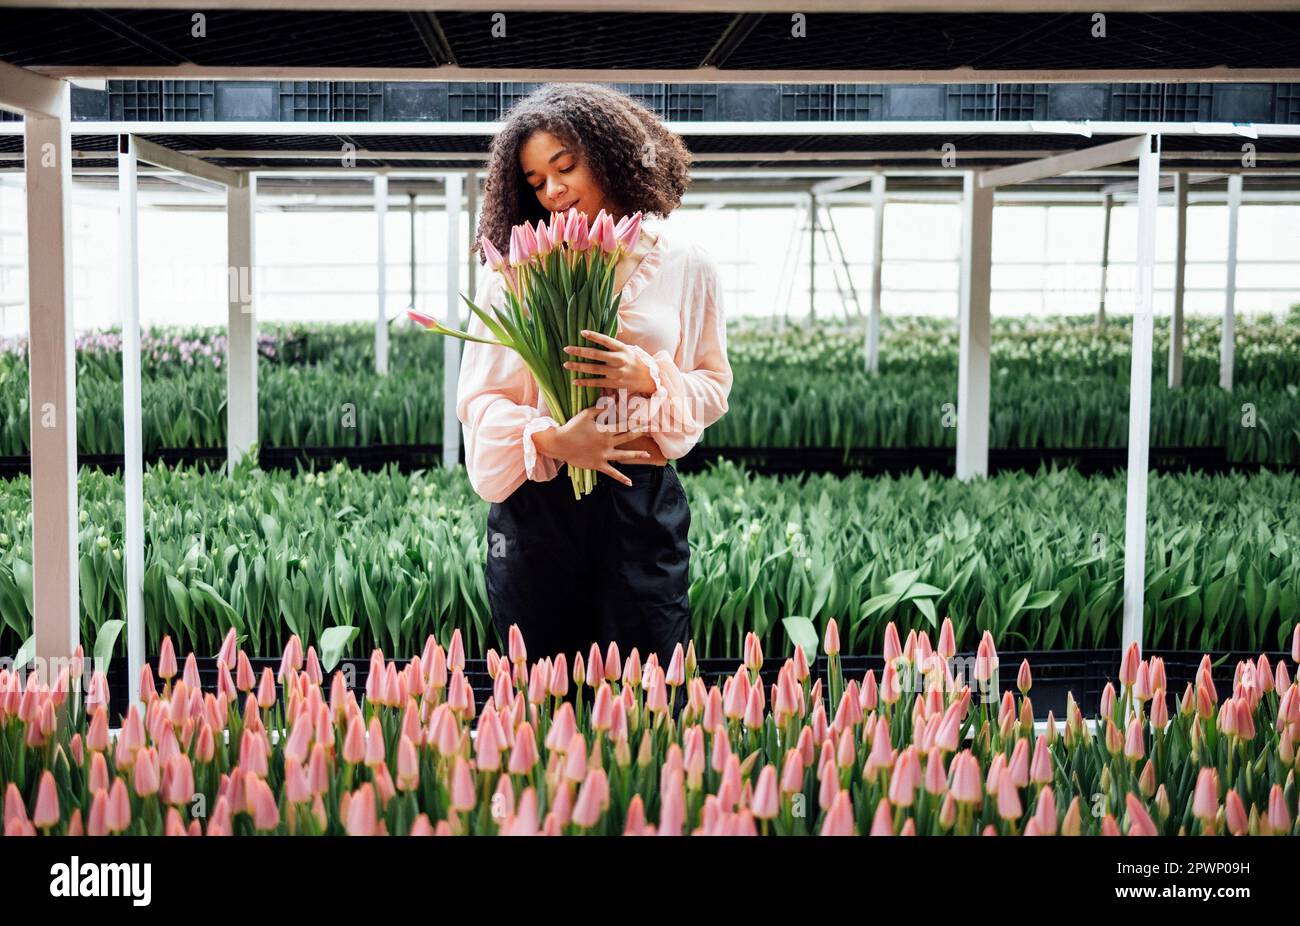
(973, 382)
(381, 282)
(241, 365)
(451, 346)
(1228, 336)
(47, 109)
(1176, 335)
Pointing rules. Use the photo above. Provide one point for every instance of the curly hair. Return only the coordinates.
(611, 131)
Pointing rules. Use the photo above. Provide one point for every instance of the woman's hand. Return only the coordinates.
(619, 366)
(583, 443)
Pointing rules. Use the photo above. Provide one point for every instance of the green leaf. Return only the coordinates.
(25, 653)
(802, 632)
(333, 642)
(104, 643)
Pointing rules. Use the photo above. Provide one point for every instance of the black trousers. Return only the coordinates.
(614, 565)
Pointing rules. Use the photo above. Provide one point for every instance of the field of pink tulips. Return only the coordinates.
(608, 744)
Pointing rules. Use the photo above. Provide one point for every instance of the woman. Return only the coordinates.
(613, 566)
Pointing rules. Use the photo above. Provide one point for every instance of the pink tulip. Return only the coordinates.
(408, 765)
(905, 778)
(1279, 818)
(766, 800)
(1128, 666)
(96, 824)
(753, 652)
(839, 821)
(117, 814)
(1045, 813)
(144, 773)
(1009, 807)
(1139, 820)
(1024, 678)
(1134, 740)
(593, 797)
(676, 674)
(46, 814)
(359, 819)
(1205, 799)
(1041, 771)
(265, 811)
(1235, 813)
(882, 823)
(226, 655)
(463, 797)
(167, 668)
(628, 231)
(180, 782)
(831, 639)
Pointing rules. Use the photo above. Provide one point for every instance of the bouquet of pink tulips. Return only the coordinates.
(559, 282)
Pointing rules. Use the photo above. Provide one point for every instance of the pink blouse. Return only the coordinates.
(671, 314)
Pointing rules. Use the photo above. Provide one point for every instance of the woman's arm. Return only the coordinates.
(691, 396)
(498, 424)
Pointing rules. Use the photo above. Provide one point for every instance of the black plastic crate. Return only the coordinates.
(512, 93)
(1187, 102)
(972, 101)
(304, 101)
(859, 102)
(7, 116)
(357, 101)
(808, 102)
(473, 101)
(690, 102)
(188, 100)
(1136, 102)
(1021, 102)
(1286, 103)
(135, 100)
(651, 96)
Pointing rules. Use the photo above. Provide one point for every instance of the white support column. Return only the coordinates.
(877, 266)
(128, 292)
(1176, 336)
(52, 374)
(1107, 203)
(451, 346)
(1228, 337)
(812, 257)
(413, 253)
(976, 339)
(1139, 412)
(241, 356)
(381, 265)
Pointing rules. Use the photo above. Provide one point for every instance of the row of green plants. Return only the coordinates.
(770, 406)
(1267, 352)
(1035, 559)
(1267, 348)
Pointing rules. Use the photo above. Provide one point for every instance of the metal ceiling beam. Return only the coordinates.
(701, 6)
(947, 127)
(1116, 152)
(711, 75)
(159, 156)
(22, 91)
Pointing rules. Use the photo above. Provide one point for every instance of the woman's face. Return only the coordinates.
(560, 177)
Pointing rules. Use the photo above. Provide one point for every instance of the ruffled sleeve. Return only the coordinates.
(499, 409)
(691, 389)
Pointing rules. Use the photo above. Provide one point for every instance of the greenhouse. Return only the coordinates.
(873, 420)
